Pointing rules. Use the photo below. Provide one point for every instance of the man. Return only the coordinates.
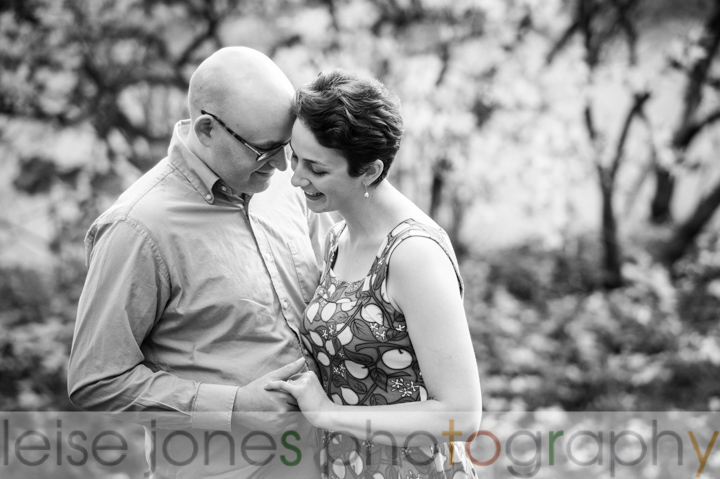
(197, 279)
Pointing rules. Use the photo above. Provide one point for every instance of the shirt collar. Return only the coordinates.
(200, 176)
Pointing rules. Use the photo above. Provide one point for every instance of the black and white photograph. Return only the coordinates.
(377, 239)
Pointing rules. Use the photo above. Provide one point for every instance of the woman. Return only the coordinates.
(386, 325)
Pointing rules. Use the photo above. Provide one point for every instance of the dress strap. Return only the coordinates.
(411, 228)
(331, 243)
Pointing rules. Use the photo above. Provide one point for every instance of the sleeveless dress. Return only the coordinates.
(365, 357)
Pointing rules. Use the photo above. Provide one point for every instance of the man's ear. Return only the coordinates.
(203, 127)
(373, 172)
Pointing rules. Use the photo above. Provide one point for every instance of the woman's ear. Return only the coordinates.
(203, 129)
(374, 171)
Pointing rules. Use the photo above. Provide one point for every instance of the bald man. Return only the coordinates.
(197, 280)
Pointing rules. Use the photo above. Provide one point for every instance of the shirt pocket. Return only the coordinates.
(306, 268)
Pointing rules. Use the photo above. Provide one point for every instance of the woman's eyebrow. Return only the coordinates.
(308, 160)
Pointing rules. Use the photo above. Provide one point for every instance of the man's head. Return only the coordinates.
(241, 107)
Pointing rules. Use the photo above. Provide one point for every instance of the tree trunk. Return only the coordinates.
(612, 263)
(688, 126)
(660, 212)
(688, 232)
(459, 208)
(439, 172)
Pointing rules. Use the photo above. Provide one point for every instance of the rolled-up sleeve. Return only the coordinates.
(125, 292)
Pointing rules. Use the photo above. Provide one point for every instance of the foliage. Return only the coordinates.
(546, 335)
(38, 316)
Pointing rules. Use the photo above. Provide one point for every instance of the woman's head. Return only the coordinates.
(359, 117)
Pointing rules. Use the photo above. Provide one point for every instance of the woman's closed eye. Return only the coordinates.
(314, 169)
(309, 165)
(317, 172)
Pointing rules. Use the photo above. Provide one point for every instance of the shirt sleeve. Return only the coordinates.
(125, 292)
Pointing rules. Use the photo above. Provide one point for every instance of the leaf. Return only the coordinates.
(420, 460)
(395, 335)
(380, 377)
(391, 473)
(362, 359)
(356, 385)
(362, 331)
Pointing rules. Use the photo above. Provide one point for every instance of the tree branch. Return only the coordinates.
(689, 230)
(594, 136)
(590, 123)
(713, 82)
(213, 20)
(586, 12)
(562, 42)
(444, 55)
(647, 169)
(332, 10)
(699, 71)
(623, 12)
(684, 135)
(636, 109)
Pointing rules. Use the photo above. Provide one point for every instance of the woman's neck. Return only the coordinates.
(372, 218)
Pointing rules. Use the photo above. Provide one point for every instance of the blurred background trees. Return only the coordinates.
(569, 147)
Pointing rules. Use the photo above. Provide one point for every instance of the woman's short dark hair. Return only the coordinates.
(357, 116)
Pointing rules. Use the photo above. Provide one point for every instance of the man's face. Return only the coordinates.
(236, 163)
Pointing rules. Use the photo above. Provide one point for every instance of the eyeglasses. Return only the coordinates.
(261, 154)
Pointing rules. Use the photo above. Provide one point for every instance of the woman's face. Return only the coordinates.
(322, 173)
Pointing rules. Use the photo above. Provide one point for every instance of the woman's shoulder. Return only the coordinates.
(416, 246)
(418, 227)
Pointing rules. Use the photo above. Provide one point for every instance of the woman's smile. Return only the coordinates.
(313, 196)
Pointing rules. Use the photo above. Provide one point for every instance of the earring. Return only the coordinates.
(366, 195)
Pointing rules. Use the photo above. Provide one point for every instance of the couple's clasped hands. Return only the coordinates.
(270, 401)
(305, 388)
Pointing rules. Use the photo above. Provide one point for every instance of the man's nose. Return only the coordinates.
(279, 161)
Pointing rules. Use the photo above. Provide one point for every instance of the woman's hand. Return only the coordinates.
(309, 394)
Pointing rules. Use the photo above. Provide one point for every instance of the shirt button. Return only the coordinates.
(208, 197)
(223, 188)
(285, 304)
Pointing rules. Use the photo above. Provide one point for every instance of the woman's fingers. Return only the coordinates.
(294, 385)
(296, 376)
(278, 386)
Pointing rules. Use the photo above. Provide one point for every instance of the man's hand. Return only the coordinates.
(309, 395)
(271, 411)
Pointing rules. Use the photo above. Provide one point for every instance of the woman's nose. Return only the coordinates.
(297, 179)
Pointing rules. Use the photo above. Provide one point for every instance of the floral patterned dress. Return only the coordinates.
(365, 356)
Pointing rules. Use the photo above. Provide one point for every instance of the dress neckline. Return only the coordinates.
(380, 249)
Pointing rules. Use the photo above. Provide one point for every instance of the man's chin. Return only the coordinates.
(258, 184)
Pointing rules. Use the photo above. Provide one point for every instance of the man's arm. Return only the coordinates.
(125, 292)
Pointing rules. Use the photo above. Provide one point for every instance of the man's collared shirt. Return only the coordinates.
(192, 292)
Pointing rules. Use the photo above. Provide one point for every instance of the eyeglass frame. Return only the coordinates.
(261, 155)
